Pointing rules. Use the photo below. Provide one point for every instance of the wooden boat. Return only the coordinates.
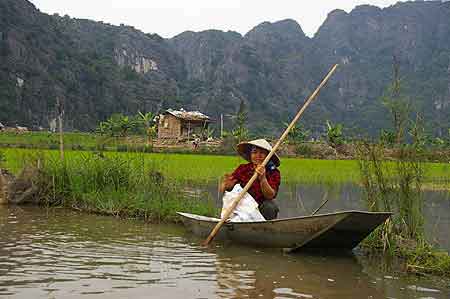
(340, 230)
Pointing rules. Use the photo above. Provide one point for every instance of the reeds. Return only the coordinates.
(121, 185)
(395, 187)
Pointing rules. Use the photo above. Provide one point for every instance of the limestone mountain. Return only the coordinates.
(364, 42)
(226, 68)
(97, 69)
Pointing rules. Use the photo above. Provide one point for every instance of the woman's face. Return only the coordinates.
(257, 155)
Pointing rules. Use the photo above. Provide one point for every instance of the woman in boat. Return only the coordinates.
(265, 187)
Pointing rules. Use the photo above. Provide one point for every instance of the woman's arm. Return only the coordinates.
(227, 183)
(267, 190)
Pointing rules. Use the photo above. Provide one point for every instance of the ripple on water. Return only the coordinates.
(290, 293)
(73, 256)
(161, 261)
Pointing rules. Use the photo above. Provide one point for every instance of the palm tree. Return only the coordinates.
(149, 125)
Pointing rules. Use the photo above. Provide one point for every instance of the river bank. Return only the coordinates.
(152, 187)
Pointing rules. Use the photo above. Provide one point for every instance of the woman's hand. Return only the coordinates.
(228, 182)
(261, 171)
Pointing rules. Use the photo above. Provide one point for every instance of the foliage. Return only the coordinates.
(117, 185)
(437, 142)
(297, 134)
(334, 135)
(121, 125)
(2, 158)
(240, 131)
(417, 133)
(396, 189)
(148, 120)
(426, 259)
(304, 150)
(400, 188)
(387, 138)
(397, 104)
(448, 136)
(443, 142)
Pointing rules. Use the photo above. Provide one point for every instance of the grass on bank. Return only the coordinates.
(128, 186)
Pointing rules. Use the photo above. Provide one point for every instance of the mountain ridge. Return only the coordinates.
(98, 69)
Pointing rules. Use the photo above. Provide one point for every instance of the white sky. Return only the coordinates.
(171, 17)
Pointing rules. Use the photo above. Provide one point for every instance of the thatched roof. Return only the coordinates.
(189, 115)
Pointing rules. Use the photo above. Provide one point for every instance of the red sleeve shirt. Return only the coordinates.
(244, 173)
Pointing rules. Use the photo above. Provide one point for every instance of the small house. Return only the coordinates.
(181, 124)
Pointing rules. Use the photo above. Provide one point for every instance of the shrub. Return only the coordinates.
(304, 150)
(2, 158)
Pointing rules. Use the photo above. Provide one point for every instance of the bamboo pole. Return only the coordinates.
(61, 131)
(267, 159)
(61, 138)
(324, 201)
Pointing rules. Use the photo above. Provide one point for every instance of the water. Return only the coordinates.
(304, 200)
(301, 200)
(59, 253)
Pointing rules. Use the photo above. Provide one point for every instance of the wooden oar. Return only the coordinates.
(267, 159)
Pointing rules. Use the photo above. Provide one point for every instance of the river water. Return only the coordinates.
(302, 200)
(296, 200)
(59, 253)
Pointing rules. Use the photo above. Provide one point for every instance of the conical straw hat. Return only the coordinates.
(243, 149)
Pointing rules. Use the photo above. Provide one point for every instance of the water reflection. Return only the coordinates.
(63, 254)
(265, 274)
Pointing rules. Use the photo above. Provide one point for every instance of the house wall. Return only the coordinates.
(169, 127)
(193, 127)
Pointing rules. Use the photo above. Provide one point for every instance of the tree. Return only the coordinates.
(2, 158)
(148, 121)
(334, 135)
(240, 131)
(387, 137)
(297, 134)
(117, 125)
(397, 104)
(448, 138)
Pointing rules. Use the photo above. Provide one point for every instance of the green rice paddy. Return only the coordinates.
(207, 169)
(72, 140)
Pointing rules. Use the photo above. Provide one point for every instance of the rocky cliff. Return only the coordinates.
(97, 69)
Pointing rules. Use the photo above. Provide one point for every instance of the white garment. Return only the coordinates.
(246, 210)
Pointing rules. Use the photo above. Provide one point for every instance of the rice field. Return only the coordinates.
(151, 186)
(72, 140)
(205, 169)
